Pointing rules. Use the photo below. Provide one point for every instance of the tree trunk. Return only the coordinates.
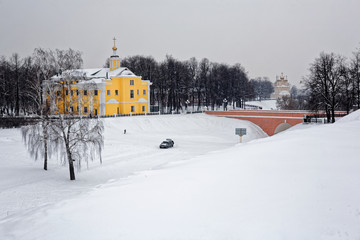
(17, 99)
(70, 160)
(45, 134)
(71, 169)
(45, 154)
(333, 115)
(199, 100)
(327, 111)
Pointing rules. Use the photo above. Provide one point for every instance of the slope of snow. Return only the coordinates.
(355, 116)
(265, 104)
(25, 186)
(301, 184)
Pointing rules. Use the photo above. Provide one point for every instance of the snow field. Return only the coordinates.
(300, 184)
(25, 186)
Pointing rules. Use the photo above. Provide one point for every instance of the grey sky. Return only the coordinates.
(267, 37)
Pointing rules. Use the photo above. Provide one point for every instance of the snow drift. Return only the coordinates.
(300, 184)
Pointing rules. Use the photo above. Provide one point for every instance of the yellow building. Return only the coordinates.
(99, 91)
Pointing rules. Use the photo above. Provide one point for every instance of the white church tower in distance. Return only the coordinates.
(281, 87)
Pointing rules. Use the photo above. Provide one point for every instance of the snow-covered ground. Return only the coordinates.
(300, 184)
(25, 186)
(265, 104)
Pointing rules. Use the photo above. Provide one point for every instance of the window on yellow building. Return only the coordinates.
(108, 92)
(67, 92)
(144, 92)
(132, 108)
(77, 93)
(137, 91)
(71, 109)
(85, 109)
(58, 93)
(116, 92)
(95, 92)
(143, 108)
(71, 92)
(131, 93)
(85, 92)
(131, 82)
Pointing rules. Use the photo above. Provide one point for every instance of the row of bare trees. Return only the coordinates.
(334, 83)
(178, 84)
(72, 139)
(21, 79)
(262, 87)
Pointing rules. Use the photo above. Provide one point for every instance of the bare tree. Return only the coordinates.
(324, 84)
(347, 86)
(355, 75)
(74, 139)
(60, 130)
(78, 140)
(37, 139)
(193, 69)
(263, 87)
(5, 89)
(45, 68)
(201, 86)
(46, 64)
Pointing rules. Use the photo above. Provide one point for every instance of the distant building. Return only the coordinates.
(281, 87)
(99, 91)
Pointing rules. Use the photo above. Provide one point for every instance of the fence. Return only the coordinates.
(315, 120)
(147, 114)
(321, 117)
(14, 122)
(252, 107)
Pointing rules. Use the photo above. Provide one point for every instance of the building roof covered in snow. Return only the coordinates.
(93, 73)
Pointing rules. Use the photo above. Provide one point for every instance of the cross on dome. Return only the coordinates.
(114, 47)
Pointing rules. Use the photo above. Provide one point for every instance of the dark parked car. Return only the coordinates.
(170, 140)
(168, 143)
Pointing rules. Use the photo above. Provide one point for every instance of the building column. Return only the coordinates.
(148, 93)
(102, 101)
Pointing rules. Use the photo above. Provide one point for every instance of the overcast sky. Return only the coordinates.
(266, 37)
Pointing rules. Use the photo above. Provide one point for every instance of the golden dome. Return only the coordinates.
(114, 47)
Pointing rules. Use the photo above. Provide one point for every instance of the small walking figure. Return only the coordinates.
(124, 131)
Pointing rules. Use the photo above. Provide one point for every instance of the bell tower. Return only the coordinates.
(114, 59)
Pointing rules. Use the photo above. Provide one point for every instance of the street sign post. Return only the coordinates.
(240, 132)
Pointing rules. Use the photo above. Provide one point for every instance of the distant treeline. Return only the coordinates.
(176, 84)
